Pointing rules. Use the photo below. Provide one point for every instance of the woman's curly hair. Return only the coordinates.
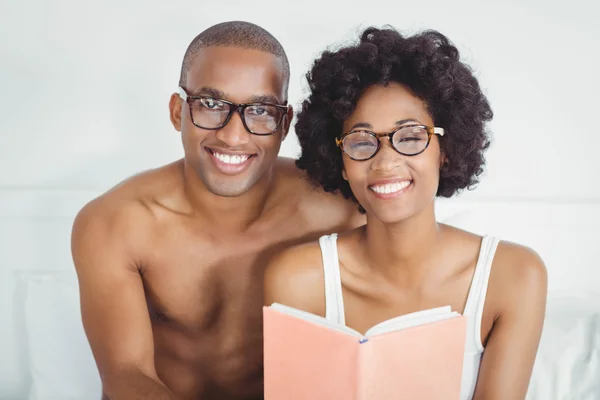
(427, 63)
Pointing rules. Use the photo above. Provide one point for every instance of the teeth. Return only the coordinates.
(230, 159)
(390, 187)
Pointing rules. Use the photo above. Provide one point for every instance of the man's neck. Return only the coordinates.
(228, 213)
(403, 251)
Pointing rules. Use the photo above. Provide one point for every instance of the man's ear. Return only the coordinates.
(175, 107)
(287, 122)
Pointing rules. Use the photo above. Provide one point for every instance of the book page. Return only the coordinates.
(411, 320)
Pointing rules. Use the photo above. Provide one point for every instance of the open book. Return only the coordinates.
(414, 356)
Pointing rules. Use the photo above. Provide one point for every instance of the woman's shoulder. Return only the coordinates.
(295, 277)
(511, 261)
(518, 281)
(515, 269)
(517, 265)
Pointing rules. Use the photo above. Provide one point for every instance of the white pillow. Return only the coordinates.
(60, 360)
(568, 360)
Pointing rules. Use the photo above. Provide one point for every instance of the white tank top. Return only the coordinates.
(334, 303)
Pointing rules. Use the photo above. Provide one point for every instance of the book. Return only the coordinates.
(414, 356)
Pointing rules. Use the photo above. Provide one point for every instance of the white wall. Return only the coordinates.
(85, 88)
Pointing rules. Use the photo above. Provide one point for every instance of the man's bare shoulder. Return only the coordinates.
(291, 176)
(319, 207)
(294, 277)
(141, 190)
(288, 165)
(149, 186)
(125, 210)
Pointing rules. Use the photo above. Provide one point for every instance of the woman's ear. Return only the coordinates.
(443, 160)
(344, 174)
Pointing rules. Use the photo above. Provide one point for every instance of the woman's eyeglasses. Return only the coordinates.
(408, 140)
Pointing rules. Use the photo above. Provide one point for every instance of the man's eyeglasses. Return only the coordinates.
(212, 113)
(408, 140)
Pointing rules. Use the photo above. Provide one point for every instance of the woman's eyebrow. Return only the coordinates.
(397, 123)
(361, 125)
(405, 121)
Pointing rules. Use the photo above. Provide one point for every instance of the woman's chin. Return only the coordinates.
(390, 216)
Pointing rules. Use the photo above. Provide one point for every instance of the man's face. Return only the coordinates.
(231, 160)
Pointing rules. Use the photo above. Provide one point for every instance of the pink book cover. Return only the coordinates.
(305, 359)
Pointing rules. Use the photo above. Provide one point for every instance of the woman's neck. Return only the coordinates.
(403, 251)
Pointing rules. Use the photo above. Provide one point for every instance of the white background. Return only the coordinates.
(84, 91)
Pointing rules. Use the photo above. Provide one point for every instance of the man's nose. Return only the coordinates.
(234, 133)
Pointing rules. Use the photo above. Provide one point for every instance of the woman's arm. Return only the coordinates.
(520, 287)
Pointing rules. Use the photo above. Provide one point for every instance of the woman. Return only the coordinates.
(392, 122)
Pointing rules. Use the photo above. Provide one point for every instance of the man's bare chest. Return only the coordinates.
(203, 279)
(195, 287)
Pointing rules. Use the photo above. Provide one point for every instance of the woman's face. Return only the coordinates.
(390, 186)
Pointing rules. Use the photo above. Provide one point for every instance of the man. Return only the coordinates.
(170, 262)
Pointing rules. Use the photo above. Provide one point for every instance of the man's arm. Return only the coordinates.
(113, 306)
(512, 346)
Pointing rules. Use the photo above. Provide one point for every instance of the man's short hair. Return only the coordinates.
(235, 34)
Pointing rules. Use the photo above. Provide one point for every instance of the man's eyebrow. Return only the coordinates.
(219, 94)
(265, 98)
(209, 92)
